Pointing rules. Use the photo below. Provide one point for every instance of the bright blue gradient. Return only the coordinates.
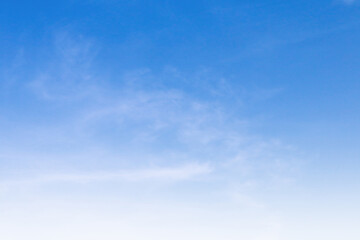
(179, 119)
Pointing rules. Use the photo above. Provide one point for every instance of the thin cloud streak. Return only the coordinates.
(172, 174)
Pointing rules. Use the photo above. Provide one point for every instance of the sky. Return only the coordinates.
(179, 120)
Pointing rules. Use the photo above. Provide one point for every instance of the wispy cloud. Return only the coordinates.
(349, 2)
(162, 174)
(165, 118)
(67, 73)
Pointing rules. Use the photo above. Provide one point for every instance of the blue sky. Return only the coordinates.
(179, 119)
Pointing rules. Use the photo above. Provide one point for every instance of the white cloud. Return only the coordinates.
(168, 174)
(185, 172)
